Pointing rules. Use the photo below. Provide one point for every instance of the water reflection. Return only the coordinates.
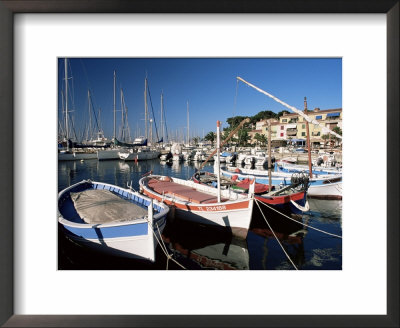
(200, 247)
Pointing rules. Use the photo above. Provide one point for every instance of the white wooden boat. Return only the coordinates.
(328, 186)
(111, 219)
(199, 203)
(281, 166)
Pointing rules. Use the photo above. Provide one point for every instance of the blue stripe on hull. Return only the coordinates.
(139, 229)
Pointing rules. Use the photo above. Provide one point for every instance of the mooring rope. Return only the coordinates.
(164, 247)
(303, 224)
(275, 235)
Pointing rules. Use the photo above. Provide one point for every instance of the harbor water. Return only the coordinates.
(197, 247)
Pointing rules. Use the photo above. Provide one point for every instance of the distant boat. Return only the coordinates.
(177, 157)
(166, 157)
(140, 154)
(199, 203)
(111, 219)
(290, 199)
(281, 166)
(327, 186)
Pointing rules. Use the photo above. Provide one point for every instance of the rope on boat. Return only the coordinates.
(164, 247)
(275, 235)
(303, 224)
(306, 208)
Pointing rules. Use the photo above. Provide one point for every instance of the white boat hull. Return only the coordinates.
(76, 156)
(139, 156)
(326, 191)
(133, 238)
(234, 214)
(108, 154)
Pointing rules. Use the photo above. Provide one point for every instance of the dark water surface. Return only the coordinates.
(199, 247)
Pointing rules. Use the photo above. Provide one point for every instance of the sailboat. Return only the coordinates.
(71, 153)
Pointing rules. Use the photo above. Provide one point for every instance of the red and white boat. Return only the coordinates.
(200, 203)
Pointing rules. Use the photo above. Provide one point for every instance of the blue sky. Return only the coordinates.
(209, 85)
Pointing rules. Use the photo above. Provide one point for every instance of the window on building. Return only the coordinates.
(281, 127)
(281, 134)
(284, 120)
(319, 117)
(303, 126)
(303, 134)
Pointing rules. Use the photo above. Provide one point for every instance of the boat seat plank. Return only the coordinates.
(186, 193)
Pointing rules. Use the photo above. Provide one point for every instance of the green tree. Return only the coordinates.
(263, 139)
(196, 140)
(210, 137)
(243, 137)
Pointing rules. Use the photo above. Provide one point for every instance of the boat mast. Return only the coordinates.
(66, 100)
(90, 119)
(122, 117)
(187, 108)
(308, 139)
(114, 108)
(162, 123)
(218, 167)
(145, 108)
(269, 156)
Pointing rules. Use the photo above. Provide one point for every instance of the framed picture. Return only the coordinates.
(16, 277)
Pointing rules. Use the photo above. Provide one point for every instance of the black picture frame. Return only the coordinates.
(10, 7)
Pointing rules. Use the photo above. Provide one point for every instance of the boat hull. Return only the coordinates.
(76, 156)
(135, 238)
(323, 188)
(108, 154)
(233, 215)
(139, 156)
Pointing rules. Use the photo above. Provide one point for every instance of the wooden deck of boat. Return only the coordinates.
(186, 193)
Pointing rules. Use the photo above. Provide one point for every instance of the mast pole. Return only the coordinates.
(269, 155)
(187, 108)
(218, 166)
(145, 108)
(114, 107)
(122, 118)
(90, 118)
(308, 139)
(66, 100)
(162, 123)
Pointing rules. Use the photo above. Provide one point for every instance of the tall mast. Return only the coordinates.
(308, 139)
(162, 123)
(218, 166)
(269, 156)
(90, 118)
(188, 138)
(122, 118)
(114, 108)
(66, 100)
(145, 108)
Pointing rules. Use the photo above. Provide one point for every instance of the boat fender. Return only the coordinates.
(197, 176)
(234, 177)
(237, 170)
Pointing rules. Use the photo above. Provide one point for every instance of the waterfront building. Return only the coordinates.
(292, 126)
